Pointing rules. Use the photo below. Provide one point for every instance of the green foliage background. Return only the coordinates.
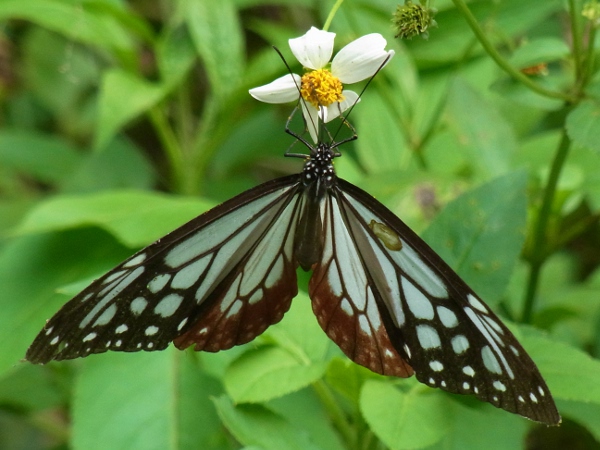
(120, 120)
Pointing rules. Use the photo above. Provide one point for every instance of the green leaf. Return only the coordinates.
(148, 401)
(405, 420)
(299, 332)
(121, 213)
(255, 425)
(44, 157)
(481, 233)
(216, 32)
(583, 124)
(485, 134)
(540, 50)
(77, 23)
(298, 360)
(480, 425)
(269, 372)
(121, 165)
(307, 410)
(570, 373)
(123, 97)
(175, 55)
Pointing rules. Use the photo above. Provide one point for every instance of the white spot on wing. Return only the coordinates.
(137, 259)
(231, 295)
(138, 305)
(490, 361)
(168, 305)
(468, 370)
(419, 305)
(476, 303)
(533, 398)
(121, 329)
(498, 385)
(334, 280)
(460, 344)
(256, 296)
(182, 324)
(347, 307)
(158, 282)
(275, 273)
(106, 316)
(428, 337)
(447, 317)
(235, 308)
(113, 276)
(437, 366)
(151, 330)
(541, 391)
(186, 277)
(364, 324)
(484, 331)
(89, 337)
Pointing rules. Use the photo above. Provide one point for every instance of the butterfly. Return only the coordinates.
(378, 291)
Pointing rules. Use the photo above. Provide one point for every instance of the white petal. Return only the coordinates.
(337, 109)
(360, 59)
(311, 117)
(282, 90)
(314, 49)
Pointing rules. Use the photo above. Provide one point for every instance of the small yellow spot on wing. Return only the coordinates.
(388, 236)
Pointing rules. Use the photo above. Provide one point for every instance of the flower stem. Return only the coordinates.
(331, 14)
(539, 252)
(501, 61)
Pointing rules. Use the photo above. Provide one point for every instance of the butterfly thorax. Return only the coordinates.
(318, 169)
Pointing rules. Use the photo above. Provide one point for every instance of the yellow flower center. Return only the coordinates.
(321, 88)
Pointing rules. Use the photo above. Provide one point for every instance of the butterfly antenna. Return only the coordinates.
(345, 118)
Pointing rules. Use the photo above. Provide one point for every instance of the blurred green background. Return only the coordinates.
(121, 120)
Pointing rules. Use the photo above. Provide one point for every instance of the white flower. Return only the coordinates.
(322, 89)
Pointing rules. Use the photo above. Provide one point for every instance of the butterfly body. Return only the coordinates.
(378, 291)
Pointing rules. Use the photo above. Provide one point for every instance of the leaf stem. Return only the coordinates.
(539, 251)
(501, 61)
(171, 145)
(332, 14)
(338, 417)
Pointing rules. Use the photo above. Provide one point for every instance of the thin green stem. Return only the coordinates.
(588, 70)
(576, 36)
(171, 145)
(332, 14)
(539, 252)
(338, 417)
(501, 61)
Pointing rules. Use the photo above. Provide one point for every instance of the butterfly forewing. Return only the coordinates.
(157, 294)
(447, 334)
(256, 292)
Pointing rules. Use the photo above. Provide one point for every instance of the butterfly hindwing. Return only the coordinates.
(344, 300)
(158, 293)
(446, 333)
